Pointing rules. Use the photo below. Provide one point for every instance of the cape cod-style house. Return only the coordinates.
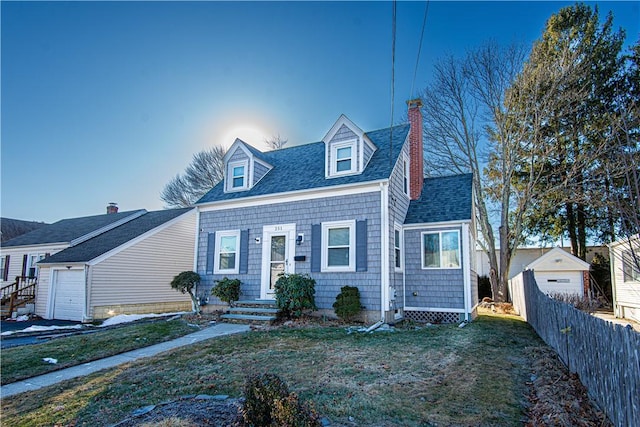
(352, 209)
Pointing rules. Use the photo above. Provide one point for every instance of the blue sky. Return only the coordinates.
(107, 101)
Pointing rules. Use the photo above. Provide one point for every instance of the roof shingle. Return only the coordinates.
(446, 198)
(302, 167)
(66, 230)
(103, 243)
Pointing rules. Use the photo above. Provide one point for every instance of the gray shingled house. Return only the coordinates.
(352, 209)
(98, 266)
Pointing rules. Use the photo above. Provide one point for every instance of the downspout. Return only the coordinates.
(466, 268)
(384, 247)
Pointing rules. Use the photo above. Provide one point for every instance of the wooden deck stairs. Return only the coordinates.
(17, 294)
(252, 312)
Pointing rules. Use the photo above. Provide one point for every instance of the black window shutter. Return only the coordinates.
(211, 247)
(5, 273)
(244, 252)
(24, 265)
(361, 245)
(316, 247)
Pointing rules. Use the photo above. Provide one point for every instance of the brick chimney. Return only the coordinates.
(416, 150)
(112, 208)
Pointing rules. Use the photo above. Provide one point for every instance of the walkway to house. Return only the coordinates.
(45, 380)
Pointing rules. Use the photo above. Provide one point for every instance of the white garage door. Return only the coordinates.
(560, 282)
(69, 295)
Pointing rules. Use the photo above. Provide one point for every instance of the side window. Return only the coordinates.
(441, 249)
(630, 266)
(4, 267)
(226, 258)
(32, 266)
(405, 175)
(338, 246)
(397, 246)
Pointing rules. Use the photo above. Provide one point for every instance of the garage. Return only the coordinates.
(559, 272)
(559, 282)
(68, 295)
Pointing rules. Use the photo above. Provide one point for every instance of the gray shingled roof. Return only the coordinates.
(103, 243)
(446, 198)
(302, 168)
(66, 230)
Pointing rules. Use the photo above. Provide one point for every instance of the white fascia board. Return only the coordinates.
(27, 249)
(64, 265)
(238, 143)
(140, 238)
(111, 226)
(342, 120)
(294, 196)
(433, 225)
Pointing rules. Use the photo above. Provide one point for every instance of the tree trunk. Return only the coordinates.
(582, 233)
(571, 228)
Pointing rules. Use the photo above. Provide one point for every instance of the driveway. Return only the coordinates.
(22, 337)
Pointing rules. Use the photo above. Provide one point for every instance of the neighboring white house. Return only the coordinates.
(99, 266)
(625, 277)
(126, 270)
(559, 272)
(525, 256)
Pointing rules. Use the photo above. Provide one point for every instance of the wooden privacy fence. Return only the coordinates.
(605, 356)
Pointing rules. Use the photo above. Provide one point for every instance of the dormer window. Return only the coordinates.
(238, 175)
(343, 158)
(347, 149)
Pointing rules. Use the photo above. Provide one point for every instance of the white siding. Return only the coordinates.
(559, 282)
(17, 254)
(141, 273)
(42, 294)
(626, 294)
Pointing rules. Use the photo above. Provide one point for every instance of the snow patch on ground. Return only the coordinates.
(125, 318)
(37, 328)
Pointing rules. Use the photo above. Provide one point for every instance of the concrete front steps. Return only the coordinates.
(252, 311)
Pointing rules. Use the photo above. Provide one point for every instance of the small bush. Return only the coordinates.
(291, 412)
(294, 294)
(269, 403)
(347, 304)
(186, 282)
(227, 290)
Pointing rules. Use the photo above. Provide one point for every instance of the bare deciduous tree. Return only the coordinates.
(203, 173)
(276, 142)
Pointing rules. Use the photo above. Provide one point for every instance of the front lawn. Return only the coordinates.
(26, 361)
(441, 375)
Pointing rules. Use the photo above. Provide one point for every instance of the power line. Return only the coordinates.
(415, 72)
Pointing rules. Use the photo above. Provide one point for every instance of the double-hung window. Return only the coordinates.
(338, 246)
(405, 175)
(238, 175)
(32, 266)
(227, 253)
(397, 247)
(441, 249)
(343, 158)
(4, 267)
(630, 267)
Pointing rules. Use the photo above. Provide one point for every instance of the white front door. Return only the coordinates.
(278, 243)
